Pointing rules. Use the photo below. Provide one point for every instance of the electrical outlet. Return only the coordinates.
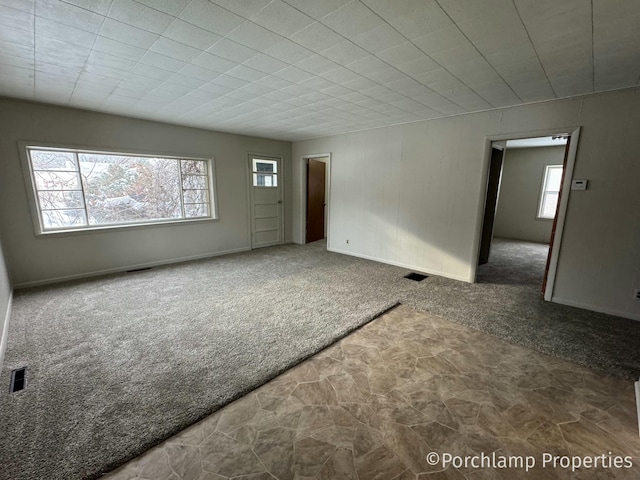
(347, 242)
(636, 295)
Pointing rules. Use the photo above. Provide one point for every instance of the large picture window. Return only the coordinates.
(82, 189)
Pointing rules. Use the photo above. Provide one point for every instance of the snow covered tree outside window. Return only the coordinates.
(77, 189)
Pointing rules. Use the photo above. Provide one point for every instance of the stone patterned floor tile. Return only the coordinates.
(375, 404)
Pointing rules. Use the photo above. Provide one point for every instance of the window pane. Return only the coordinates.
(267, 166)
(196, 196)
(193, 167)
(52, 160)
(56, 180)
(63, 218)
(554, 177)
(60, 200)
(263, 180)
(549, 203)
(198, 182)
(196, 210)
(123, 189)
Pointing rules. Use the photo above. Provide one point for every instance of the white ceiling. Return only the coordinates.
(297, 69)
(537, 142)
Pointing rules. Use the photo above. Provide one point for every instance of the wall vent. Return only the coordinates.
(18, 379)
(138, 269)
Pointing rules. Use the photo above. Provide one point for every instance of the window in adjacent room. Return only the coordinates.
(83, 189)
(550, 191)
(265, 173)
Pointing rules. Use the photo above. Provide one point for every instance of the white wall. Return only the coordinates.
(33, 260)
(522, 176)
(413, 195)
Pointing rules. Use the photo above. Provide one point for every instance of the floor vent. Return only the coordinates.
(18, 379)
(416, 277)
(139, 269)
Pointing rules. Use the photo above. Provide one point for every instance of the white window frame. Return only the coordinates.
(30, 181)
(545, 190)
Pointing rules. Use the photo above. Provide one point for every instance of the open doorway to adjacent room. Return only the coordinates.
(523, 206)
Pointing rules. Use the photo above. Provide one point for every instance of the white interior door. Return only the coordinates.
(266, 201)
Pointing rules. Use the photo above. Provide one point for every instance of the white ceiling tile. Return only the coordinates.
(340, 75)
(317, 9)
(316, 37)
(45, 27)
(367, 65)
(413, 18)
(288, 51)
(172, 7)
(100, 7)
(118, 49)
(211, 17)
(173, 49)
(281, 18)
(18, 19)
(316, 83)
(27, 6)
(232, 51)
(188, 34)
(345, 52)
(244, 8)
(69, 15)
(293, 74)
(387, 75)
(61, 53)
(378, 39)
(213, 62)
(188, 81)
(197, 73)
(273, 82)
(162, 61)
(231, 82)
(151, 72)
(16, 61)
(10, 35)
(140, 16)
(265, 63)
(316, 64)
(254, 36)
(127, 34)
(352, 20)
(403, 53)
(421, 65)
(245, 73)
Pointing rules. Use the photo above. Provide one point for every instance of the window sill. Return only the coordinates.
(128, 226)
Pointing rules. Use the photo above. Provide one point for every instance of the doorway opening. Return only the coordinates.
(317, 212)
(524, 209)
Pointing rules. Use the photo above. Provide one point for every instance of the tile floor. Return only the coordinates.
(374, 405)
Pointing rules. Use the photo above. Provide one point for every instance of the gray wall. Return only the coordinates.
(522, 176)
(34, 259)
(412, 195)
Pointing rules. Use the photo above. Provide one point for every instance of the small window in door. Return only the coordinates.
(265, 173)
(550, 192)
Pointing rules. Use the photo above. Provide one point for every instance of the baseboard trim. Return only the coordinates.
(4, 334)
(400, 264)
(125, 268)
(596, 308)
